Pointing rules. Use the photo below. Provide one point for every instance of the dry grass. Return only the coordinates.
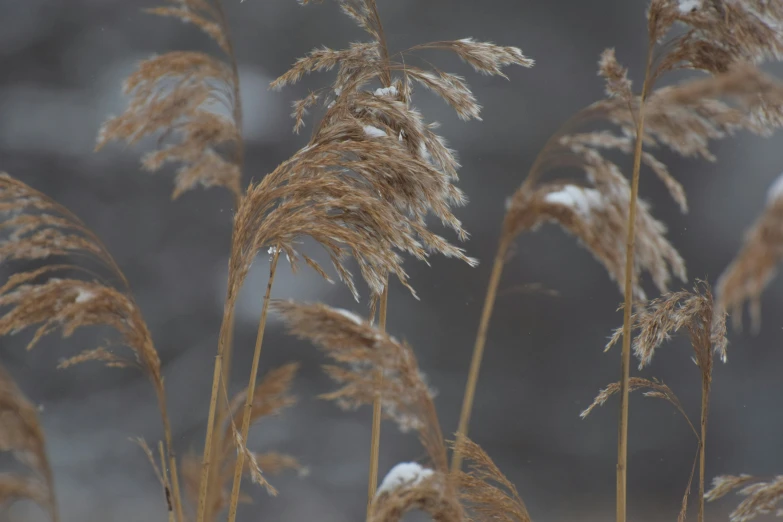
(21, 434)
(370, 175)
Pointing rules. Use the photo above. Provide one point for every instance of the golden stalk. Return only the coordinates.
(625, 367)
(478, 349)
(251, 388)
(375, 446)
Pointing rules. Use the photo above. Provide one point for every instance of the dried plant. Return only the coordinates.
(489, 495)
(659, 390)
(762, 496)
(694, 311)
(754, 267)
(721, 38)
(271, 396)
(364, 184)
(21, 434)
(684, 118)
(360, 349)
(40, 229)
(191, 101)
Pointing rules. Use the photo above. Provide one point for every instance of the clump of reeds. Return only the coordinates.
(721, 38)
(364, 184)
(21, 434)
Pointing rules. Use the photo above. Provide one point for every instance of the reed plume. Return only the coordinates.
(762, 496)
(21, 434)
(695, 312)
(191, 101)
(755, 264)
(40, 229)
(360, 351)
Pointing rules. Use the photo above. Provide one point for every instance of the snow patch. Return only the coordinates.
(403, 474)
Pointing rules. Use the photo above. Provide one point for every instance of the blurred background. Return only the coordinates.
(62, 63)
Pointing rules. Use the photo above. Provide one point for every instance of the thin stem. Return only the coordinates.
(239, 151)
(209, 444)
(630, 245)
(375, 443)
(211, 489)
(375, 446)
(166, 483)
(386, 72)
(172, 459)
(251, 389)
(705, 403)
(478, 349)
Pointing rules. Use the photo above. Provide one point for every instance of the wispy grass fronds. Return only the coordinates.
(360, 351)
(706, 326)
(22, 435)
(754, 267)
(190, 100)
(762, 497)
(690, 310)
(378, 135)
(718, 33)
(405, 164)
(656, 389)
(485, 490)
(40, 229)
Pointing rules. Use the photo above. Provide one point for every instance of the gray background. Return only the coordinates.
(61, 67)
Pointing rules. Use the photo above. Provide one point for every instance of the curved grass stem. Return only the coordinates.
(251, 388)
(478, 349)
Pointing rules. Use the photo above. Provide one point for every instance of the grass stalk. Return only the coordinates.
(251, 389)
(377, 413)
(166, 484)
(705, 403)
(478, 349)
(210, 443)
(625, 367)
(171, 460)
